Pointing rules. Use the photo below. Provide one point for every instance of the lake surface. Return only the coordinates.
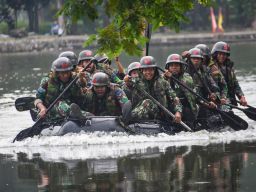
(201, 161)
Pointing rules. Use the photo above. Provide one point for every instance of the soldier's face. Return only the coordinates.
(100, 90)
(221, 57)
(175, 68)
(64, 76)
(134, 73)
(148, 73)
(196, 61)
(90, 68)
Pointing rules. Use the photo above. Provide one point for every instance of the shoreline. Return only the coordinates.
(54, 43)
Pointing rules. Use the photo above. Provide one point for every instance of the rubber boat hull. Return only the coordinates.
(110, 124)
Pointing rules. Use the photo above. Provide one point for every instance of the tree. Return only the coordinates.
(32, 7)
(8, 12)
(128, 20)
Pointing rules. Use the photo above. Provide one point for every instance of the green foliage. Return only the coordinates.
(128, 20)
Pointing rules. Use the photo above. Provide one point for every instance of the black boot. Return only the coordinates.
(76, 114)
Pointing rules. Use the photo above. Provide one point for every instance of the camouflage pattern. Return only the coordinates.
(187, 98)
(160, 89)
(219, 79)
(147, 109)
(100, 67)
(41, 91)
(110, 72)
(234, 88)
(52, 90)
(206, 77)
(111, 104)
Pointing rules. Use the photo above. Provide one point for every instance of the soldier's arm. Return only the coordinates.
(119, 66)
(238, 91)
(121, 96)
(171, 95)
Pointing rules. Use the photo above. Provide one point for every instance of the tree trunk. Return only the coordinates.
(30, 13)
(61, 17)
(36, 23)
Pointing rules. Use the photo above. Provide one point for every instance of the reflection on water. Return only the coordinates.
(221, 167)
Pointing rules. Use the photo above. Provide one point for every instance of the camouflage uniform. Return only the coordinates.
(187, 99)
(204, 113)
(110, 72)
(227, 71)
(219, 79)
(51, 89)
(209, 81)
(159, 88)
(234, 88)
(110, 104)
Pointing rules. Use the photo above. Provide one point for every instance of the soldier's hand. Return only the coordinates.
(127, 79)
(42, 112)
(212, 97)
(84, 89)
(185, 54)
(243, 101)
(79, 69)
(83, 78)
(167, 74)
(212, 105)
(223, 101)
(117, 59)
(177, 117)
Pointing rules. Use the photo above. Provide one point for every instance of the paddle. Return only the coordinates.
(148, 35)
(249, 112)
(36, 128)
(146, 94)
(24, 103)
(234, 121)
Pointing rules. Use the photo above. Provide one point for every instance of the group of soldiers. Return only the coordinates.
(102, 90)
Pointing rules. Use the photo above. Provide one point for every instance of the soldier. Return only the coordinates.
(175, 67)
(61, 77)
(206, 53)
(133, 69)
(220, 55)
(157, 87)
(84, 58)
(215, 72)
(205, 87)
(133, 72)
(104, 98)
(71, 55)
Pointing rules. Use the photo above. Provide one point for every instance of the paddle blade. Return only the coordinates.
(234, 121)
(22, 135)
(24, 103)
(251, 113)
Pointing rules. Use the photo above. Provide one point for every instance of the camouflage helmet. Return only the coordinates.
(195, 53)
(100, 79)
(71, 55)
(62, 64)
(133, 66)
(102, 58)
(147, 62)
(221, 47)
(85, 55)
(205, 50)
(174, 58)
